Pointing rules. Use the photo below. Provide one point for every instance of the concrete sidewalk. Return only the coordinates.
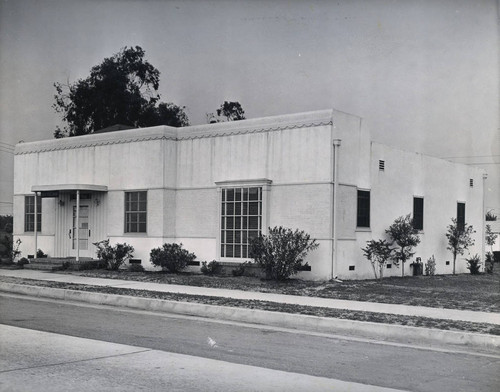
(420, 311)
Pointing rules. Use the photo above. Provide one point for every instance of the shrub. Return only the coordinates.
(171, 257)
(211, 268)
(240, 270)
(40, 254)
(91, 265)
(135, 268)
(489, 263)
(22, 262)
(473, 264)
(430, 266)
(281, 253)
(11, 248)
(114, 256)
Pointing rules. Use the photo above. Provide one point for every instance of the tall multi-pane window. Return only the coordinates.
(29, 213)
(460, 216)
(241, 220)
(363, 211)
(136, 211)
(418, 213)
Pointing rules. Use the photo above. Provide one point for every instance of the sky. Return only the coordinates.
(423, 74)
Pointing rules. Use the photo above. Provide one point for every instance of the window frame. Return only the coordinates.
(363, 212)
(418, 216)
(29, 224)
(137, 213)
(222, 217)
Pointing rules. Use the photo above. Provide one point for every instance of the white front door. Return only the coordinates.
(84, 232)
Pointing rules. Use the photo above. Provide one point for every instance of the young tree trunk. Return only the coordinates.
(381, 271)
(374, 270)
(454, 259)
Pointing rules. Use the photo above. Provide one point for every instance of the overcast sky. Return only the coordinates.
(423, 74)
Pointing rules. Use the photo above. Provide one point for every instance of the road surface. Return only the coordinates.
(269, 349)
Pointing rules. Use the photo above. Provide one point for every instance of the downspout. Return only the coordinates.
(36, 224)
(483, 221)
(77, 228)
(336, 148)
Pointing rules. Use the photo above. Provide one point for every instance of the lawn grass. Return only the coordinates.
(464, 291)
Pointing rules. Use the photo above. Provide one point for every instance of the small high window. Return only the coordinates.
(363, 211)
(418, 213)
(29, 213)
(136, 204)
(381, 165)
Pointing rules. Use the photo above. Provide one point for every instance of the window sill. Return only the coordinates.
(363, 229)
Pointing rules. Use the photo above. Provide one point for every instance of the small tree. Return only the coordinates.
(490, 237)
(405, 236)
(430, 266)
(459, 239)
(281, 253)
(378, 252)
(171, 257)
(114, 256)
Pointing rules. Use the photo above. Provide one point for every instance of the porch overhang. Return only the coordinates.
(69, 187)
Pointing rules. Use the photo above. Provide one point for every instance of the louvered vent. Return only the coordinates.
(381, 165)
(471, 182)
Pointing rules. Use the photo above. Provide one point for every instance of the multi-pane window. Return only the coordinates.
(136, 212)
(460, 216)
(363, 211)
(241, 220)
(29, 213)
(418, 213)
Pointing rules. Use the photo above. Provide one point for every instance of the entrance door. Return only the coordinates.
(84, 231)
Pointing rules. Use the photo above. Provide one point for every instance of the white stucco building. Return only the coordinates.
(214, 186)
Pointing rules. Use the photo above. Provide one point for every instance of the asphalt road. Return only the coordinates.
(380, 364)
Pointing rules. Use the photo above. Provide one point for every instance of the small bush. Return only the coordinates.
(281, 253)
(22, 262)
(489, 263)
(171, 257)
(114, 256)
(474, 264)
(430, 266)
(240, 269)
(211, 268)
(135, 268)
(40, 254)
(91, 265)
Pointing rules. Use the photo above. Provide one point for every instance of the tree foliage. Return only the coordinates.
(405, 236)
(281, 253)
(232, 111)
(378, 252)
(459, 239)
(123, 89)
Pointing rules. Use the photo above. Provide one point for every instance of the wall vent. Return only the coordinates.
(471, 182)
(351, 268)
(381, 165)
(389, 265)
(447, 262)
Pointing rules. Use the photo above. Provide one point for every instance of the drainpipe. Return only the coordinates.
(336, 149)
(77, 228)
(483, 220)
(36, 224)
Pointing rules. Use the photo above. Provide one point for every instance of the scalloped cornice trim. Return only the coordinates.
(261, 125)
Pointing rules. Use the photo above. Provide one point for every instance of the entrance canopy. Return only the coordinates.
(53, 190)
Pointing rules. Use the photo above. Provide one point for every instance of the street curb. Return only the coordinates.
(270, 318)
